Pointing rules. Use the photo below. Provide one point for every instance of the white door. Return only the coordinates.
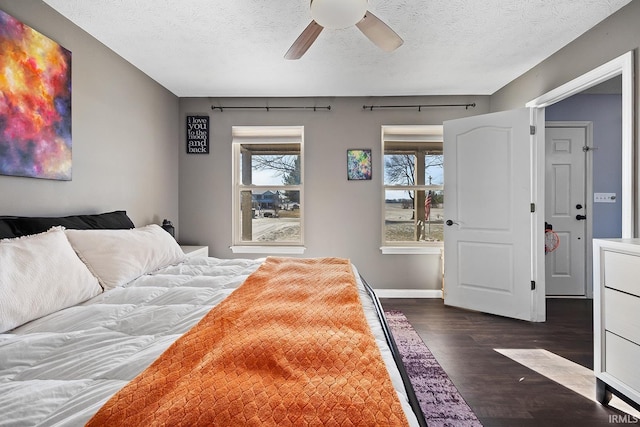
(566, 210)
(492, 241)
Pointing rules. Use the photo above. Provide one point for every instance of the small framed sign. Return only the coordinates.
(197, 134)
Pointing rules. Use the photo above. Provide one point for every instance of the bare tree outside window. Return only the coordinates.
(413, 183)
(287, 167)
(270, 190)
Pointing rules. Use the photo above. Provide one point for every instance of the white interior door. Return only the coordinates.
(566, 209)
(492, 238)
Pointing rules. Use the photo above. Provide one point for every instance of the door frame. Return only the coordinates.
(620, 66)
(588, 127)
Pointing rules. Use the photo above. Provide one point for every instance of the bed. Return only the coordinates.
(102, 322)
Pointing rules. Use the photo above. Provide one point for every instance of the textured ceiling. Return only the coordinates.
(229, 48)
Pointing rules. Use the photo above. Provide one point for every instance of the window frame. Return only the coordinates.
(264, 135)
(417, 134)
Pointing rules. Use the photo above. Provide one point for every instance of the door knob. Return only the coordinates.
(581, 217)
(450, 223)
(578, 206)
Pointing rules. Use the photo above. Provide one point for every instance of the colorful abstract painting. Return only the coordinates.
(359, 164)
(35, 103)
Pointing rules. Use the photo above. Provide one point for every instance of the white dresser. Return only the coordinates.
(616, 309)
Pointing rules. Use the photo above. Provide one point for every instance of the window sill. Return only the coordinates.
(288, 250)
(411, 250)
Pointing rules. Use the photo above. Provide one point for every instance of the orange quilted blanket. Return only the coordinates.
(289, 347)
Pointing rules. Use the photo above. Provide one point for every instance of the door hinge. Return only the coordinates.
(532, 130)
(533, 285)
(533, 207)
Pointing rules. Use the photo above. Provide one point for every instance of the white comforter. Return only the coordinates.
(60, 369)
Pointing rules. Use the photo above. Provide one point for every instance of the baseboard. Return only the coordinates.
(408, 293)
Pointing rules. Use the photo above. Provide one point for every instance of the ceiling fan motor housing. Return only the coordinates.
(338, 14)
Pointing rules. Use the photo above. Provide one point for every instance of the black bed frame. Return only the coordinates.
(397, 357)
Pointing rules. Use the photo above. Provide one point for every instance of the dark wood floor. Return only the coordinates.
(463, 341)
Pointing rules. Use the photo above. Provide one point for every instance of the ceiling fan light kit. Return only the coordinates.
(339, 14)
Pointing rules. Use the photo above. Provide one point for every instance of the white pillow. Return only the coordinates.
(41, 274)
(117, 257)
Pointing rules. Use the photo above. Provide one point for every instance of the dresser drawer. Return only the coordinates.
(622, 272)
(622, 314)
(621, 360)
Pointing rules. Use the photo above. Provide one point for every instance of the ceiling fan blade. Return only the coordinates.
(379, 33)
(304, 41)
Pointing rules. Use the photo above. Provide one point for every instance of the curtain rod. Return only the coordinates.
(314, 108)
(419, 107)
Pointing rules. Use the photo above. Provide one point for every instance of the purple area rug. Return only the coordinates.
(439, 399)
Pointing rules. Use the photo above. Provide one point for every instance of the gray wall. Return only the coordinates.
(605, 112)
(342, 218)
(125, 134)
(611, 38)
(616, 35)
(128, 131)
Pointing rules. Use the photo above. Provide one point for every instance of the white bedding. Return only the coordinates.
(60, 369)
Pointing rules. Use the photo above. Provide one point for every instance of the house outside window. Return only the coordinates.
(268, 189)
(413, 187)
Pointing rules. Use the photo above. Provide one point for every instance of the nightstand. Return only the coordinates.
(195, 251)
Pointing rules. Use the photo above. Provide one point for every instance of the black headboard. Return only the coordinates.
(16, 226)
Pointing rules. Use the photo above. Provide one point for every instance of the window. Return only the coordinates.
(267, 197)
(413, 188)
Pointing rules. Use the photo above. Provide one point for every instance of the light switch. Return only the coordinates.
(604, 197)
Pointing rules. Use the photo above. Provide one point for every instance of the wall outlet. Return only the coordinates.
(604, 197)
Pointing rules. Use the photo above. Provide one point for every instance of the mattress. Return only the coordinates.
(61, 368)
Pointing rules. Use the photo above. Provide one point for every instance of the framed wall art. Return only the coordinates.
(35, 111)
(359, 164)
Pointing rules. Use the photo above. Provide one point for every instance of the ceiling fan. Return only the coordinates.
(338, 14)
